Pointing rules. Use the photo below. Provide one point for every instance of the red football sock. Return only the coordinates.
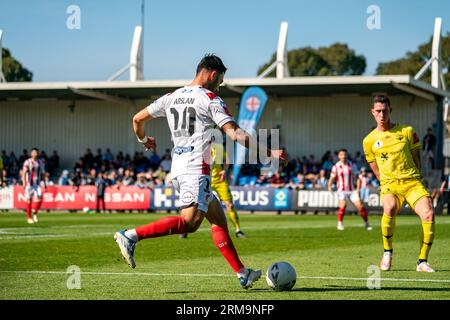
(162, 227)
(225, 245)
(29, 210)
(363, 214)
(38, 206)
(341, 212)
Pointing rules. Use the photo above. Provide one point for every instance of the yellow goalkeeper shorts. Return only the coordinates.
(410, 190)
(223, 190)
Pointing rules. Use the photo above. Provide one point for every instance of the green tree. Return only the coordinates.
(335, 60)
(13, 69)
(413, 61)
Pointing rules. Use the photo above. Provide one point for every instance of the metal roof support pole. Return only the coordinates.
(135, 65)
(439, 160)
(281, 61)
(2, 77)
(282, 68)
(136, 55)
(435, 54)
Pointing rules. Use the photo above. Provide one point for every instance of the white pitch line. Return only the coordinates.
(214, 275)
(380, 279)
(18, 236)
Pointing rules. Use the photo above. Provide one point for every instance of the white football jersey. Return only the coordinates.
(192, 112)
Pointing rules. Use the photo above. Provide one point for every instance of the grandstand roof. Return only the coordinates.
(287, 87)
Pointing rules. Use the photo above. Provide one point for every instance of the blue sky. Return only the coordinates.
(177, 33)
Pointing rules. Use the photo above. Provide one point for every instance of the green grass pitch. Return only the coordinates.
(330, 264)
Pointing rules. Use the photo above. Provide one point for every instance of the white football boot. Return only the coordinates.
(248, 277)
(424, 267)
(35, 218)
(386, 261)
(340, 226)
(30, 221)
(126, 246)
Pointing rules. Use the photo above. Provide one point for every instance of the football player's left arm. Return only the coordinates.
(239, 135)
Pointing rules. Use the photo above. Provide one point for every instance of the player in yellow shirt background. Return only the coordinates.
(393, 153)
(220, 185)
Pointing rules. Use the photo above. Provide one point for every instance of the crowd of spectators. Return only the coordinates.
(149, 170)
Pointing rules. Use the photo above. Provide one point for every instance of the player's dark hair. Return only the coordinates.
(381, 98)
(211, 62)
(35, 149)
(343, 150)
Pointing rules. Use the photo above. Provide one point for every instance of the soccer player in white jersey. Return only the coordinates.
(32, 174)
(344, 172)
(191, 112)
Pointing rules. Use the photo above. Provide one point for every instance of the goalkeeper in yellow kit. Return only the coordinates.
(220, 185)
(393, 153)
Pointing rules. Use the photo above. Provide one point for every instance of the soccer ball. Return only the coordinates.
(281, 276)
(86, 209)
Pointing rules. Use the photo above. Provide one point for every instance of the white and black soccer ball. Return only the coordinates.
(86, 209)
(281, 276)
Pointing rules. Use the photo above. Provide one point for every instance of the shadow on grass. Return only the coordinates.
(327, 289)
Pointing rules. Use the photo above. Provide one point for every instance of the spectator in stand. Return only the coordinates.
(128, 179)
(47, 179)
(158, 176)
(108, 157)
(78, 179)
(44, 159)
(142, 181)
(428, 143)
(373, 182)
(335, 157)
(262, 181)
(91, 177)
(112, 177)
(166, 163)
(23, 157)
(12, 158)
(154, 161)
(88, 158)
(322, 181)
(53, 165)
(120, 160)
(327, 164)
(64, 180)
(277, 181)
(358, 160)
(363, 185)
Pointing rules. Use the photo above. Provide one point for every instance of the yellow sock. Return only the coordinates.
(387, 230)
(427, 239)
(234, 217)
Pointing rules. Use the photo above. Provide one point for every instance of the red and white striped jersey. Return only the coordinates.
(34, 171)
(345, 176)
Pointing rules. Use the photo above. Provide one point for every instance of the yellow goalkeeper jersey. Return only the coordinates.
(391, 150)
(218, 158)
